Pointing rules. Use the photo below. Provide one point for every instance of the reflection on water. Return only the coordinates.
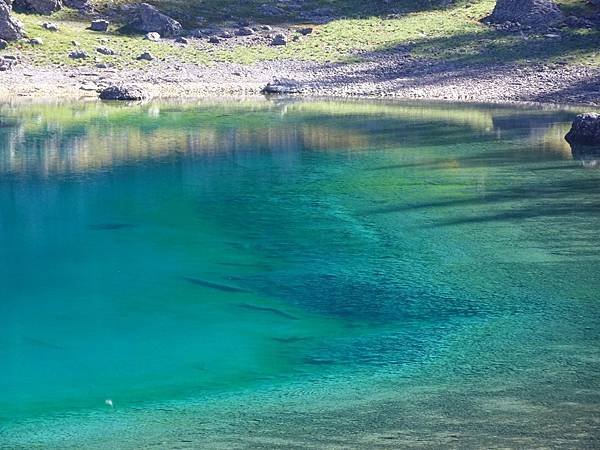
(68, 138)
(396, 274)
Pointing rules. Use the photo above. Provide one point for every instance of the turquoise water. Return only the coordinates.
(279, 274)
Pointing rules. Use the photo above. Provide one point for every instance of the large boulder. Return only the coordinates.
(38, 6)
(10, 28)
(585, 130)
(149, 19)
(534, 13)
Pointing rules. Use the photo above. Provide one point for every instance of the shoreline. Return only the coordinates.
(380, 77)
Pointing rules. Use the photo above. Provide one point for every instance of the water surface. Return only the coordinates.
(278, 273)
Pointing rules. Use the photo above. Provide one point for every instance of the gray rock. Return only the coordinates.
(270, 10)
(182, 40)
(266, 27)
(149, 19)
(10, 28)
(534, 13)
(123, 92)
(282, 87)
(279, 39)
(81, 5)
(226, 34)
(7, 63)
(3, 44)
(106, 51)
(99, 25)
(305, 31)
(245, 31)
(146, 56)
(152, 36)
(214, 40)
(50, 26)
(36, 41)
(585, 130)
(38, 6)
(78, 54)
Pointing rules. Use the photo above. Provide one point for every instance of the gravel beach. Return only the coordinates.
(392, 75)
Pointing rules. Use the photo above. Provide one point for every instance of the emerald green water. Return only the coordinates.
(280, 274)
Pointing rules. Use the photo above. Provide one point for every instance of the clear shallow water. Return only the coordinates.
(233, 274)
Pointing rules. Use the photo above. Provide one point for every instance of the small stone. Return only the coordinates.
(102, 65)
(3, 44)
(36, 41)
(279, 39)
(226, 34)
(50, 26)
(182, 40)
(99, 25)
(75, 43)
(266, 27)
(214, 40)
(245, 31)
(305, 31)
(146, 56)
(106, 51)
(78, 54)
(152, 36)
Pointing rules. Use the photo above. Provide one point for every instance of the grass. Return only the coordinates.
(452, 34)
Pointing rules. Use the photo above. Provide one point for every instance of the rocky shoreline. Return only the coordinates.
(393, 75)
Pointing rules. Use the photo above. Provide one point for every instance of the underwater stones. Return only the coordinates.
(282, 87)
(585, 130)
(99, 25)
(123, 92)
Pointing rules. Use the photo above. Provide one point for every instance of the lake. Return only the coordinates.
(280, 274)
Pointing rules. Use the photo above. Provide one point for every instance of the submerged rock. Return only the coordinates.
(10, 28)
(123, 92)
(585, 130)
(38, 6)
(534, 13)
(282, 87)
(149, 19)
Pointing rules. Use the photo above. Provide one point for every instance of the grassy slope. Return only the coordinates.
(453, 34)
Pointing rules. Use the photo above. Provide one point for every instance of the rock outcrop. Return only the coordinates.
(149, 19)
(585, 130)
(123, 92)
(38, 6)
(10, 28)
(81, 5)
(533, 13)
